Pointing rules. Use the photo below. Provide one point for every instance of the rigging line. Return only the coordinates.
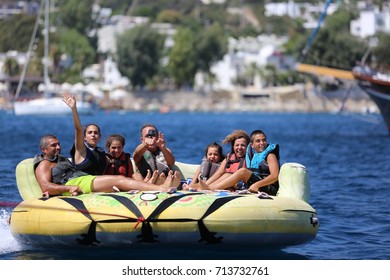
(315, 31)
(33, 35)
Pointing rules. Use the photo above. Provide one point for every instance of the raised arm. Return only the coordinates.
(139, 151)
(81, 151)
(168, 155)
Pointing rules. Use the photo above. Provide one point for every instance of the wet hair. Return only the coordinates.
(236, 134)
(146, 125)
(88, 125)
(115, 137)
(45, 139)
(256, 132)
(219, 147)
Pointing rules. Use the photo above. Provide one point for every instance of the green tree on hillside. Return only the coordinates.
(182, 58)
(211, 45)
(11, 67)
(76, 14)
(381, 53)
(77, 48)
(15, 33)
(138, 54)
(169, 16)
(334, 46)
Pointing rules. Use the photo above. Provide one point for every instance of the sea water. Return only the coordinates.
(347, 156)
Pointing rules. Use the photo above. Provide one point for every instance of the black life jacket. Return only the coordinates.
(95, 160)
(63, 171)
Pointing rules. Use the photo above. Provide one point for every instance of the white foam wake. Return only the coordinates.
(8, 243)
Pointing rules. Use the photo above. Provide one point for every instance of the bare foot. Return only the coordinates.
(148, 176)
(168, 181)
(203, 184)
(194, 188)
(153, 178)
(176, 180)
(160, 179)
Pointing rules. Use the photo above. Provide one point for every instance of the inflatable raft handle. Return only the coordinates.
(294, 181)
(26, 181)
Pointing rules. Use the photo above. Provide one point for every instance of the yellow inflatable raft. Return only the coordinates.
(181, 217)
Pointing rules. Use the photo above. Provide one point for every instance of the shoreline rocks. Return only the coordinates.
(279, 99)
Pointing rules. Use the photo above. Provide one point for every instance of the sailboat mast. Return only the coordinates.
(46, 49)
(29, 52)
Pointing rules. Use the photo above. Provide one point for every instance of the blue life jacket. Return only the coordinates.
(256, 162)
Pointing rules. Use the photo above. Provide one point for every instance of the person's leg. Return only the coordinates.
(229, 181)
(220, 179)
(105, 183)
(203, 185)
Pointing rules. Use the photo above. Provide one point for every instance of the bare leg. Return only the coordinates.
(220, 179)
(229, 181)
(105, 183)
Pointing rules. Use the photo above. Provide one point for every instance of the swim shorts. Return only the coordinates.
(84, 182)
(270, 189)
(253, 179)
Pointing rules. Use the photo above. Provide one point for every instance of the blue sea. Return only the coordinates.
(347, 156)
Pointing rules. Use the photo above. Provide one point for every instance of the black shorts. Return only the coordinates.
(270, 189)
(253, 179)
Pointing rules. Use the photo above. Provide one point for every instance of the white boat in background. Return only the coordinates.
(49, 104)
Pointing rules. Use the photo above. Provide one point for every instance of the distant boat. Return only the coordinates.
(377, 86)
(49, 104)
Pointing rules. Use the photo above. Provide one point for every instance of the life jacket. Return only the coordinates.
(253, 159)
(153, 161)
(257, 162)
(208, 168)
(120, 166)
(62, 171)
(95, 160)
(233, 163)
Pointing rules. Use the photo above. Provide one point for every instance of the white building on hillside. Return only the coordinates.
(371, 21)
(307, 11)
(107, 35)
(242, 53)
(107, 73)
